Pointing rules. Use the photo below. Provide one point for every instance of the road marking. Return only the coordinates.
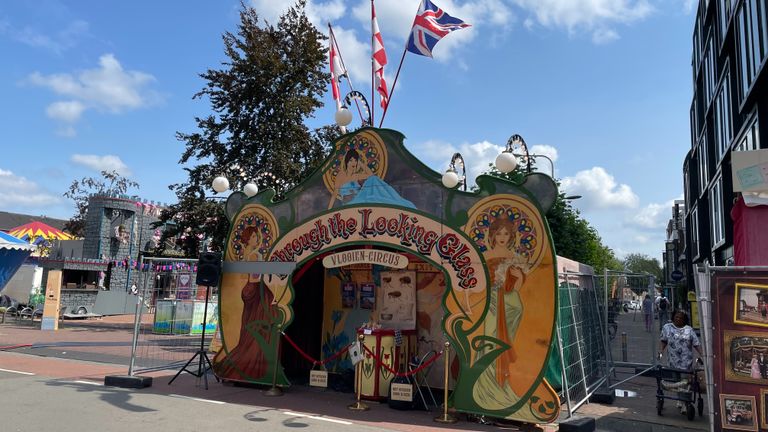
(16, 372)
(291, 413)
(94, 383)
(198, 399)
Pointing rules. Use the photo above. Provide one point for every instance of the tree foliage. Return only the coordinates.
(272, 81)
(641, 263)
(110, 182)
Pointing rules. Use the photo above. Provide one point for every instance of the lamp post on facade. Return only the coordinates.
(343, 116)
(516, 151)
(452, 178)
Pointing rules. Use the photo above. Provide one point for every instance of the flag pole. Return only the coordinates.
(346, 75)
(373, 80)
(394, 83)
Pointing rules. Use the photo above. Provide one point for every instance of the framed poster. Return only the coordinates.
(746, 356)
(751, 305)
(367, 296)
(348, 294)
(763, 408)
(738, 412)
(183, 286)
(398, 300)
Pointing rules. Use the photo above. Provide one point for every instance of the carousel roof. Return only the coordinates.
(39, 229)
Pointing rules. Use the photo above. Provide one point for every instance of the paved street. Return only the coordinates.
(65, 393)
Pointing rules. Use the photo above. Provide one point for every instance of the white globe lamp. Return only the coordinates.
(343, 117)
(220, 184)
(506, 162)
(250, 189)
(450, 178)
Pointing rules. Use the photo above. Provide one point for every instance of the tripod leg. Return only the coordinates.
(210, 365)
(183, 368)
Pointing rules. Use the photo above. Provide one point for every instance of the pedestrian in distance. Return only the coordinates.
(663, 308)
(648, 312)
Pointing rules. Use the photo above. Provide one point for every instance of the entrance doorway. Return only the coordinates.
(305, 330)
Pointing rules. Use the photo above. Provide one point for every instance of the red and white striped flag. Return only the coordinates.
(337, 70)
(379, 59)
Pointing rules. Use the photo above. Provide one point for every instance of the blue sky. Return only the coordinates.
(603, 87)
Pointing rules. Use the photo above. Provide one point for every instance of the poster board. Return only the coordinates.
(740, 349)
(397, 308)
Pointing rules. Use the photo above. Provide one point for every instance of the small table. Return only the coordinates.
(375, 380)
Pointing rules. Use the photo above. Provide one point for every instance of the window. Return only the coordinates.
(709, 72)
(722, 113)
(694, 123)
(695, 232)
(703, 169)
(725, 9)
(751, 138)
(716, 212)
(696, 51)
(752, 40)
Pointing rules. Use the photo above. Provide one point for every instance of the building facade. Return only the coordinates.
(728, 110)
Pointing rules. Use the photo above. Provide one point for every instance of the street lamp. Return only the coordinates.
(451, 178)
(516, 150)
(344, 115)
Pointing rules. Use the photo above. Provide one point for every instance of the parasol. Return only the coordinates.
(33, 230)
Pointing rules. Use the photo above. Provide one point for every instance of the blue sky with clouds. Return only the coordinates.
(603, 87)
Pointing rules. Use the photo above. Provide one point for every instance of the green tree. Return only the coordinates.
(574, 238)
(641, 263)
(79, 191)
(272, 81)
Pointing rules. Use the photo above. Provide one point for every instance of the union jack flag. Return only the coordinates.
(430, 25)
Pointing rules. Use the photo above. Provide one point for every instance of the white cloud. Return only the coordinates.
(65, 111)
(599, 190)
(17, 191)
(102, 163)
(107, 88)
(547, 151)
(477, 156)
(597, 17)
(654, 216)
(58, 43)
(319, 13)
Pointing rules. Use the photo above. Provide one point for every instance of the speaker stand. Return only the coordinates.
(203, 362)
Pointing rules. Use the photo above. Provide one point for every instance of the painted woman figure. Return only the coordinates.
(754, 367)
(247, 359)
(493, 389)
(356, 180)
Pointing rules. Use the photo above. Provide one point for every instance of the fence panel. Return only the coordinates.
(581, 336)
(168, 326)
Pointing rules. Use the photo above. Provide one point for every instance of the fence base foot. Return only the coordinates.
(603, 396)
(128, 381)
(581, 424)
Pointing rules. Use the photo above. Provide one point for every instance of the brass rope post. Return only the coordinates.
(446, 418)
(275, 390)
(358, 405)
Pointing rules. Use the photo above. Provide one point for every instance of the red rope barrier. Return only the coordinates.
(309, 358)
(400, 374)
(10, 347)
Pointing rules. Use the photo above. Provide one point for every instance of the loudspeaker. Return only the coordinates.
(208, 269)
